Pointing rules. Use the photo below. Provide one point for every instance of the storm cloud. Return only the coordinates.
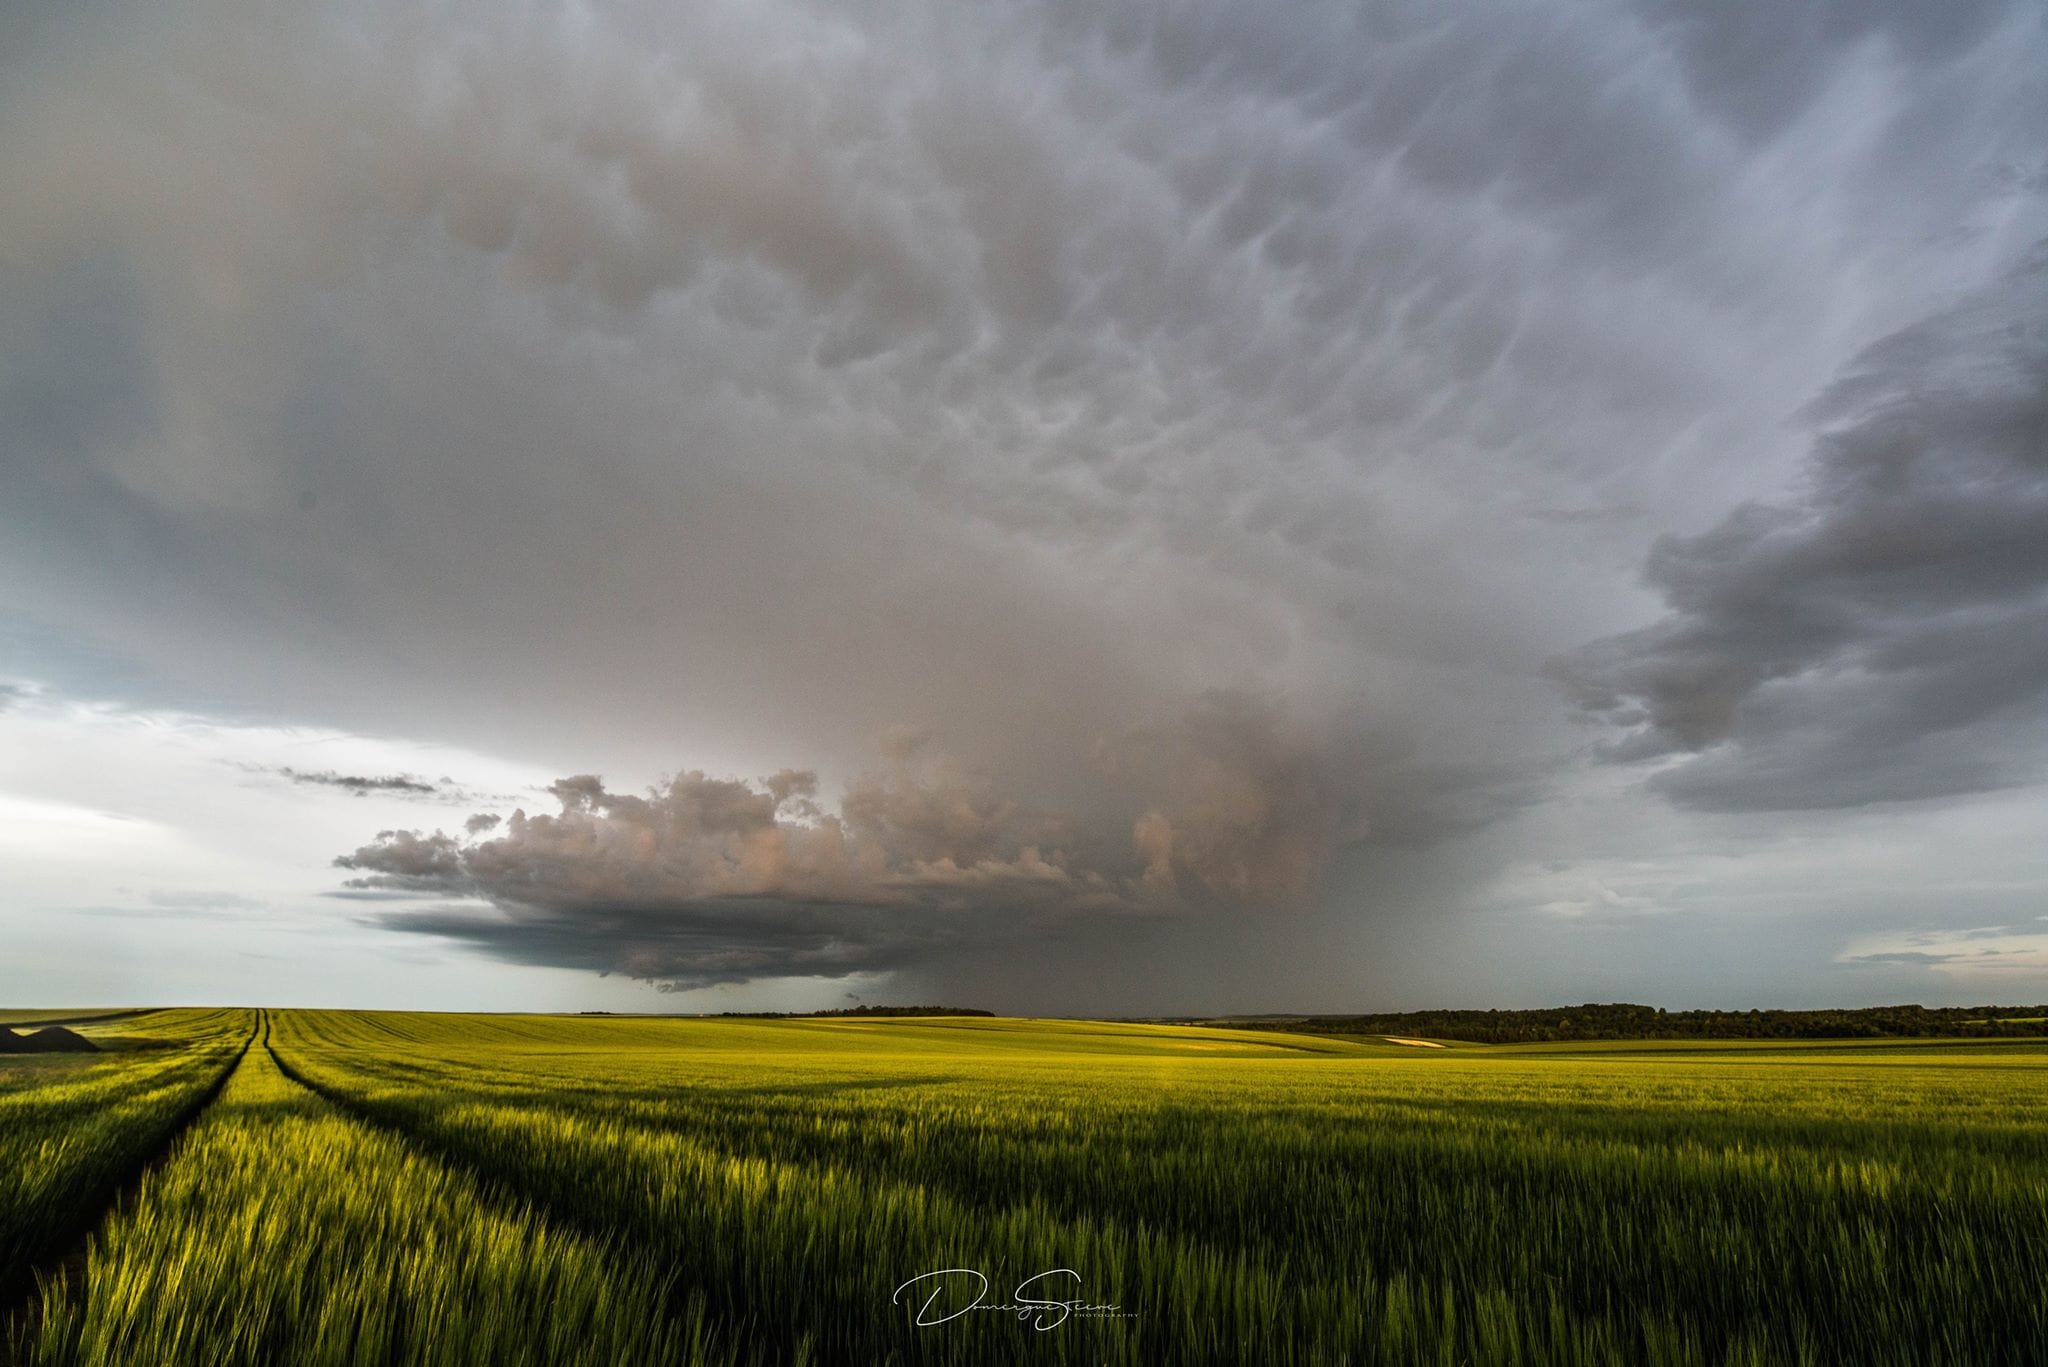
(705, 880)
(1185, 433)
(1885, 635)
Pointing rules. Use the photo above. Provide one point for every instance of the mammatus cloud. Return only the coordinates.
(705, 880)
(1884, 635)
(1184, 349)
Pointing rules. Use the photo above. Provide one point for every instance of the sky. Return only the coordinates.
(1061, 508)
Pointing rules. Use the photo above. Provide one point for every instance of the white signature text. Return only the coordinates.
(951, 1292)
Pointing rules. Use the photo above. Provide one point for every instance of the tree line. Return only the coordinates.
(1628, 1020)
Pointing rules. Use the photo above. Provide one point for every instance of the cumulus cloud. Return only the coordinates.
(407, 861)
(1883, 636)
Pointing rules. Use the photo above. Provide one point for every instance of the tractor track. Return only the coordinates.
(61, 1261)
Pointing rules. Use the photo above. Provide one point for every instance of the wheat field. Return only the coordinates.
(324, 1187)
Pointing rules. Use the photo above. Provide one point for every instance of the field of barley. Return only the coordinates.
(230, 1187)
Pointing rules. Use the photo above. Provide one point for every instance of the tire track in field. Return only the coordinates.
(500, 1192)
(60, 1263)
(728, 1337)
(491, 1189)
(495, 1189)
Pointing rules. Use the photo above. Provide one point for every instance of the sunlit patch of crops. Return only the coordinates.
(1278, 1199)
(283, 1232)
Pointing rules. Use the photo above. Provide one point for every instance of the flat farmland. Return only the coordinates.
(369, 1187)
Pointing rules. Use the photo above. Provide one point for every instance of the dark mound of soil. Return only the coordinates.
(53, 1039)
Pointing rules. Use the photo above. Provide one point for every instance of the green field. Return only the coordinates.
(369, 1188)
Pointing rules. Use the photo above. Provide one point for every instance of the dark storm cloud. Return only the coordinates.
(1884, 636)
(361, 785)
(717, 880)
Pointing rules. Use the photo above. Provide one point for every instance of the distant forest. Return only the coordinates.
(903, 1011)
(1626, 1020)
(862, 1011)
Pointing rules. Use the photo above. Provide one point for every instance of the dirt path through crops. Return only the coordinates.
(1412, 1043)
(61, 1263)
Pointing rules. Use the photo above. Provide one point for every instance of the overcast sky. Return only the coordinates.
(1066, 508)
